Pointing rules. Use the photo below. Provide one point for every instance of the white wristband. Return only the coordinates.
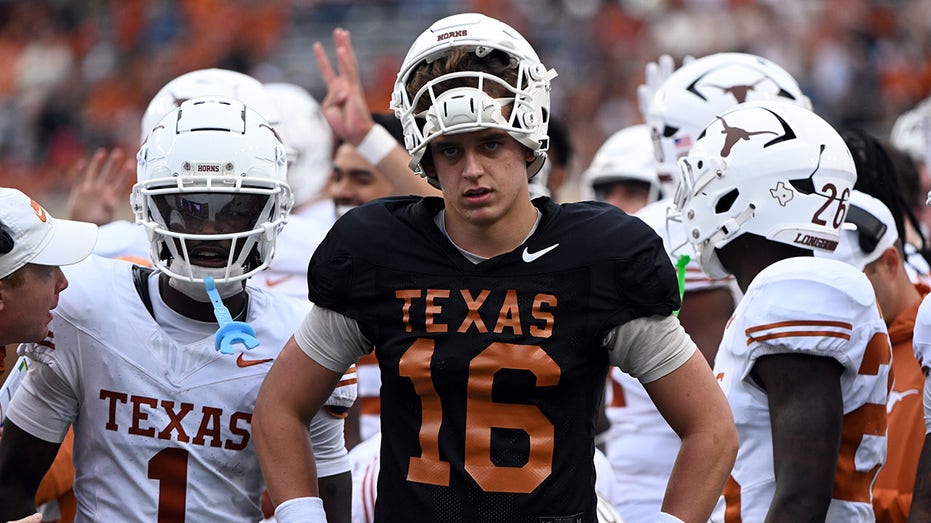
(663, 517)
(301, 510)
(377, 144)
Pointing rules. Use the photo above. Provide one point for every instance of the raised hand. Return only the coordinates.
(344, 106)
(655, 74)
(99, 185)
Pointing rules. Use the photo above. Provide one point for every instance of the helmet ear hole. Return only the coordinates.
(726, 202)
(803, 185)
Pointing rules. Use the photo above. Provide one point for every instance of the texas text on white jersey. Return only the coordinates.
(819, 307)
(162, 429)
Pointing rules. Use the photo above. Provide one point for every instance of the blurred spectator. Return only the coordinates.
(78, 75)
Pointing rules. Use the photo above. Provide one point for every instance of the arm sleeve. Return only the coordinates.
(44, 405)
(326, 433)
(331, 339)
(649, 348)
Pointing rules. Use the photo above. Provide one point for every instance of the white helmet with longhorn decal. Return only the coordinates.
(769, 168)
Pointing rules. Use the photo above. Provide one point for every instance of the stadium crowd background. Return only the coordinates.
(77, 75)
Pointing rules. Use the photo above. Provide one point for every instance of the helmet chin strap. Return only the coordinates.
(195, 289)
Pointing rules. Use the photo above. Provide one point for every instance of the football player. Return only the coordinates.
(160, 416)
(623, 172)
(308, 139)
(678, 104)
(869, 242)
(495, 317)
(805, 360)
(921, 496)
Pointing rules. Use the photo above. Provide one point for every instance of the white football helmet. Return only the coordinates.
(693, 95)
(769, 168)
(208, 82)
(625, 155)
(910, 130)
(307, 138)
(467, 109)
(212, 170)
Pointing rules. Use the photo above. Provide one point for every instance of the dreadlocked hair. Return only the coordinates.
(877, 176)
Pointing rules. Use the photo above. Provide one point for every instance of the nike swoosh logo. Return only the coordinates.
(896, 396)
(271, 282)
(528, 256)
(242, 362)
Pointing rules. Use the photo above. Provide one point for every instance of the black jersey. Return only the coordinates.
(492, 372)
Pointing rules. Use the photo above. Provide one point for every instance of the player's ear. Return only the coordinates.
(891, 259)
(426, 163)
(528, 154)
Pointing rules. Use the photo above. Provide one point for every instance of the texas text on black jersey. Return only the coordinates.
(491, 372)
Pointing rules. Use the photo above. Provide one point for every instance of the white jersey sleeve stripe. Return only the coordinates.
(797, 334)
(800, 323)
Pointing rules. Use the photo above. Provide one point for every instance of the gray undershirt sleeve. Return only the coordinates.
(649, 348)
(331, 339)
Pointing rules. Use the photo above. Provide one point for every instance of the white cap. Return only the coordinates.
(869, 225)
(33, 236)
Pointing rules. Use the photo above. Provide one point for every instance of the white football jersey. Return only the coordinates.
(820, 307)
(641, 446)
(162, 430)
(364, 465)
(369, 396)
(295, 245)
(122, 239)
(921, 344)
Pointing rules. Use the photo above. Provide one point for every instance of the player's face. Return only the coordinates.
(482, 173)
(628, 196)
(355, 181)
(24, 312)
(211, 214)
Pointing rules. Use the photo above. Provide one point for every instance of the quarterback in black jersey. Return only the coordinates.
(494, 317)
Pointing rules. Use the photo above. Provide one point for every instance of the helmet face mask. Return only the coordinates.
(691, 97)
(523, 112)
(771, 169)
(212, 191)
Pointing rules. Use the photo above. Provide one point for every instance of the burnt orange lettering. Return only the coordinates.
(209, 427)
(408, 297)
(432, 309)
(113, 397)
(139, 416)
(474, 304)
(174, 423)
(509, 316)
(539, 301)
(242, 432)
